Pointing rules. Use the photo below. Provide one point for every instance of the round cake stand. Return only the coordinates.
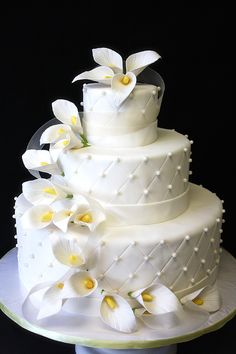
(91, 336)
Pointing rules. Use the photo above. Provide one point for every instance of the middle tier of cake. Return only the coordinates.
(149, 182)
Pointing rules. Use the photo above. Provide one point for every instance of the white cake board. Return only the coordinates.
(88, 333)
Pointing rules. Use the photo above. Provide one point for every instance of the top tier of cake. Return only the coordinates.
(134, 123)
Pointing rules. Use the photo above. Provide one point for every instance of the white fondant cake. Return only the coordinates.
(117, 231)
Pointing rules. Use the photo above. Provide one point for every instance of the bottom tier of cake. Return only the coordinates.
(182, 253)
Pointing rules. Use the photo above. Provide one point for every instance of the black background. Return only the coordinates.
(43, 49)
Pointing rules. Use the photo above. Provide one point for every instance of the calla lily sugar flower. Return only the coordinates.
(111, 70)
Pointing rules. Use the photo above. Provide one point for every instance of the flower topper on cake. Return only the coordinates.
(111, 72)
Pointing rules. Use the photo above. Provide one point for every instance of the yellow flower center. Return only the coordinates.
(125, 80)
(60, 286)
(74, 120)
(74, 259)
(86, 218)
(65, 142)
(147, 297)
(47, 217)
(89, 283)
(198, 301)
(111, 302)
(61, 131)
(51, 191)
(43, 163)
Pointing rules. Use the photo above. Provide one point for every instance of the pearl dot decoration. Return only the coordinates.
(185, 149)
(162, 242)
(203, 261)
(145, 159)
(169, 154)
(169, 186)
(116, 258)
(185, 269)
(174, 254)
(146, 192)
(158, 173)
(187, 237)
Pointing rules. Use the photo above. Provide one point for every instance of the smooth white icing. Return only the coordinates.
(132, 176)
(131, 124)
(183, 253)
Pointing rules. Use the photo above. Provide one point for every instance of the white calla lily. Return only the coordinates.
(67, 251)
(37, 217)
(40, 160)
(71, 285)
(83, 283)
(108, 57)
(207, 299)
(137, 62)
(111, 70)
(158, 299)
(67, 113)
(116, 312)
(122, 85)
(62, 136)
(89, 214)
(101, 74)
(54, 133)
(64, 211)
(42, 191)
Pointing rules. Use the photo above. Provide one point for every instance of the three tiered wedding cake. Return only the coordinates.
(117, 231)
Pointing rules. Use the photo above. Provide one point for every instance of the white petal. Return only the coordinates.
(121, 317)
(108, 57)
(37, 217)
(120, 90)
(40, 160)
(54, 133)
(63, 213)
(101, 74)
(139, 61)
(62, 219)
(211, 298)
(80, 284)
(163, 300)
(67, 251)
(165, 320)
(67, 113)
(51, 303)
(69, 141)
(41, 191)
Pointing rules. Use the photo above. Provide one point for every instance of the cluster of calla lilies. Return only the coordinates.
(51, 203)
(111, 71)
